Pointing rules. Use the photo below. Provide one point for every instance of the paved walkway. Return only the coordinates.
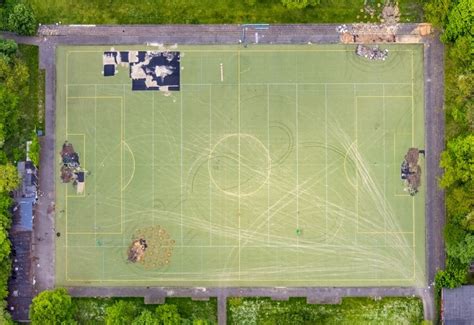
(50, 36)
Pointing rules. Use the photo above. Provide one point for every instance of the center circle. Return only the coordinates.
(239, 164)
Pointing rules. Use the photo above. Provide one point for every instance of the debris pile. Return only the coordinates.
(411, 171)
(152, 247)
(341, 29)
(69, 156)
(136, 251)
(381, 25)
(390, 14)
(70, 166)
(371, 53)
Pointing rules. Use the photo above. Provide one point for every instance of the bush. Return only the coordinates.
(22, 20)
(350, 311)
(299, 4)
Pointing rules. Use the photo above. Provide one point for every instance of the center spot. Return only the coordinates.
(239, 164)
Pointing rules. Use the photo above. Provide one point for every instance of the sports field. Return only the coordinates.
(272, 166)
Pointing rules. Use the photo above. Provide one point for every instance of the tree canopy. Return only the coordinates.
(14, 83)
(22, 20)
(146, 317)
(460, 21)
(128, 312)
(9, 179)
(168, 315)
(458, 161)
(122, 312)
(52, 307)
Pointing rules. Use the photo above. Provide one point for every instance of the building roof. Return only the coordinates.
(27, 172)
(25, 209)
(458, 305)
(25, 197)
(20, 284)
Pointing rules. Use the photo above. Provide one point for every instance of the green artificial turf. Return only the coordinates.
(272, 166)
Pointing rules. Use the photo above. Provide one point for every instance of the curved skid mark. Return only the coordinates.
(287, 131)
(345, 168)
(133, 160)
(226, 191)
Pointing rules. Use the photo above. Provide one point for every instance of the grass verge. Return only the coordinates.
(393, 310)
(93, 310)
(206, 11)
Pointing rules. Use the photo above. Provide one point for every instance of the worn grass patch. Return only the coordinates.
(205, 12)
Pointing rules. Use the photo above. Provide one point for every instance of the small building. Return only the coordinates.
(20, 284)
(458, 306)
(25, 197)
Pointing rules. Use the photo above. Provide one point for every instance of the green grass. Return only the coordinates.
(204, 12)
(93, 310)
(352, 311)
(293, 137)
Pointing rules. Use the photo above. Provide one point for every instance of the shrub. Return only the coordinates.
(299, 4)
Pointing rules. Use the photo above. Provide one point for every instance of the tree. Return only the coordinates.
(168, 314)
(453, 276)
(5, 204)
(468, 221)
(8, 47)
(22, 20)
(460, 21)
(5, 263)
(122, 312)
(146, 318)
(299, 4)
(9, 179)
(5, 317)
(52, 307)
(458, 161)
(436, 12)
(463, 250)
